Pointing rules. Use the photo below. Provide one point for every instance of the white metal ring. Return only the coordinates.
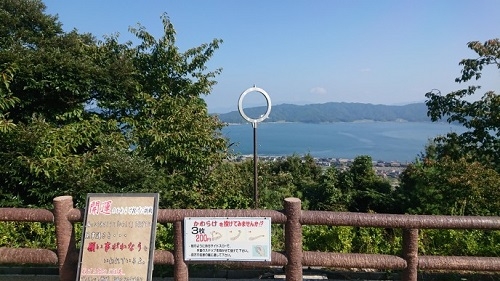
(240, 105)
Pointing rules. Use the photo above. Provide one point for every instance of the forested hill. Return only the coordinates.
(334, 112)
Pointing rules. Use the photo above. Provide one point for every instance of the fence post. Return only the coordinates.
(293, 239)
(66, 244)
(410, 254)
(180, 268)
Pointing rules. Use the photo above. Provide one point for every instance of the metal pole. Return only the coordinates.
(254, 125)
(255, 160)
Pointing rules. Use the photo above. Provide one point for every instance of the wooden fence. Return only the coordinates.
(293, 258)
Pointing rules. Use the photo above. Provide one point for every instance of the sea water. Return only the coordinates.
(384, 141)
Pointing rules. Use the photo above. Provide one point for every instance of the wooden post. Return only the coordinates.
(293, 239)
(180, 268)
(410, 254)
(65, 235)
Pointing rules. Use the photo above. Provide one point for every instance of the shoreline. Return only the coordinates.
(402, 142)
(385, 169)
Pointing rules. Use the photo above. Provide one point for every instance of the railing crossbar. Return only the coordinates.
(294, 259)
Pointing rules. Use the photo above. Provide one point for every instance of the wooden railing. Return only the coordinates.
(293, 258)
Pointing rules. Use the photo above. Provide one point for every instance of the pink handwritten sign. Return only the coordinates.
(118, 237)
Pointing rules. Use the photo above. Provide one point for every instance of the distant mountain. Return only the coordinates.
(334, 112)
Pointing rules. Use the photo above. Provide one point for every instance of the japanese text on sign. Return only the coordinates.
(118, 237)
(239, 239)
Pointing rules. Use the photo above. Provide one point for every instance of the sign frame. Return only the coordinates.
(124, 218)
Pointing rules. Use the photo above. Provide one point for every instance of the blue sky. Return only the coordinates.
(314, 51)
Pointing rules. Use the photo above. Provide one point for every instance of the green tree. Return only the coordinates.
(458, 173)
(167, 119)
(367, 191)
(150, 130)
(170, 122)
(232, 184)
(481, 118)
(55, 69)
(449, 187)
(293, 176)
(327, 194)
(7, 100)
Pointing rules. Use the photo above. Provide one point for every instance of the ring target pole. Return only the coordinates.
(254, 125)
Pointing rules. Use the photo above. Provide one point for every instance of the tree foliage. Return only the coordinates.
(7, 100)
(366, 190)
(55, 68)
(481, 142)
(450, 187)
(80, 115)
(459, 173)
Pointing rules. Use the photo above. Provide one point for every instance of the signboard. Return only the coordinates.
(118, 237)
(228, 239)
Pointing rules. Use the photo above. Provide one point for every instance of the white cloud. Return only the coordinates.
(318, 91)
